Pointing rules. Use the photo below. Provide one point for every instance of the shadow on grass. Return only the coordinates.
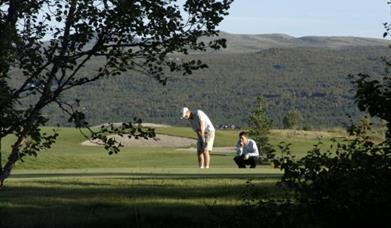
(108, 215)
(71, 191)
(124, 201)
(151, 175)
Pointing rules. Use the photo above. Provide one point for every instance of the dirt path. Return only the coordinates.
(182, 144)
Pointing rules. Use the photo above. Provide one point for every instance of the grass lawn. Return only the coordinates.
(82, 186)
(137, 197)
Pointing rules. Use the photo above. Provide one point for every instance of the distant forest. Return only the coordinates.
(311, 80)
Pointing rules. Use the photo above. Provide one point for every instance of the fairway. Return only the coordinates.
(126, 197)
(82, 186)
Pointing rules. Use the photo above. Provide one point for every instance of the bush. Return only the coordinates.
(349, 187)
(346, 186)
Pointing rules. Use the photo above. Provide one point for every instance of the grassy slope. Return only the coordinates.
(67, 153)
(73, 185)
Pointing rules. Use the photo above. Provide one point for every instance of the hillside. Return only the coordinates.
(307, 73)
(240, 43)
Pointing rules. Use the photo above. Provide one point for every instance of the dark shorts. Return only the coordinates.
(252, 161)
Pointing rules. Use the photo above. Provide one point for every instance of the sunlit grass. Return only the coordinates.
(68, 152)
(154, 198)
(71, 185)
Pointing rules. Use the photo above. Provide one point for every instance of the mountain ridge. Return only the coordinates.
(255, 42)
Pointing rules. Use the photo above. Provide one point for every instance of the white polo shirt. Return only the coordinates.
(250, 148)
(200, 116)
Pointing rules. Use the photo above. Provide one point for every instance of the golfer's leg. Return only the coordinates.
(253, 162)
(240, 162)
(237, 161)
(209, 139)
(206, 158)
(200, 156)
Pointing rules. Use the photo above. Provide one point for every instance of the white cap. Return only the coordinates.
(184, 111)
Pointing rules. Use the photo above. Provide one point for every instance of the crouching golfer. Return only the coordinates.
(246, 151)
(205, 131)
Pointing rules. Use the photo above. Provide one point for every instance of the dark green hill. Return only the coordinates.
(308, 74)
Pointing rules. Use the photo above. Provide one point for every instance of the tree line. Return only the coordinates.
(313, 81)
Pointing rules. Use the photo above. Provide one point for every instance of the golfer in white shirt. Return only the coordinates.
(205, 131)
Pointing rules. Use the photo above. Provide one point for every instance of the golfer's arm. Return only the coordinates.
(199, 134)
(254, 151)
(239, 149)
(202, 128)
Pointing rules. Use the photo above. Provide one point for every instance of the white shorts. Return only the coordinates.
(209, 140)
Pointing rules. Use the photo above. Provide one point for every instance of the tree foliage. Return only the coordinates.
(292, 120)
(374, 96)
(348, 185)
(129, 36)
(259, 128)
(259, 124)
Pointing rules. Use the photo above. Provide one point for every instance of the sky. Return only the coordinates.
(361, 18)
